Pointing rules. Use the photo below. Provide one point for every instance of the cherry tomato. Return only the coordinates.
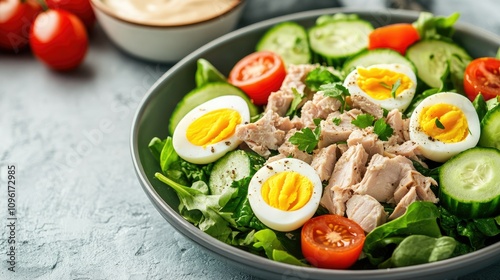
(258, 74)
(59, 39)
(80, 8)
(398, 36)
(482, 75)
(16, 17)
(332, 241)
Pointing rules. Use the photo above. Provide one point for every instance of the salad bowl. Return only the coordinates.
(151, 120)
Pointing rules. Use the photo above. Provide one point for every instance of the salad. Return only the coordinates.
(342, 146)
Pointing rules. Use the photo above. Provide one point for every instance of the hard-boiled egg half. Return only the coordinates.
(284, 194)
(443, 125)
(392, 86)
(207, 132)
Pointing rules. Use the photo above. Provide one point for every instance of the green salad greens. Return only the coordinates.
(426, 232)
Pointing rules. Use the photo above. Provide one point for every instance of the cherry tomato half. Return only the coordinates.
(80, 8)
(16, 17)
(398, 36)
(258, 74)
(59, 39)
(482, 75)
(332, 241)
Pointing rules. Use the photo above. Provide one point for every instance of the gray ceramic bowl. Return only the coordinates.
(154, 111)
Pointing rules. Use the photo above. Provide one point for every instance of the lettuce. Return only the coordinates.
(420, 219)
(269, 242)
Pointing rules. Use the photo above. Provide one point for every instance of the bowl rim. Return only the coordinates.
(100, 6)
(479, 259)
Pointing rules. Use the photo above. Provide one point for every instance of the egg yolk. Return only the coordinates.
(213, 127)
(378, 82)
(444, 122)
(287, 191)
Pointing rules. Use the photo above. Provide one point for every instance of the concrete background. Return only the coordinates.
(81, 211)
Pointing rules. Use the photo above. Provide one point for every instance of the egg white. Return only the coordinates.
(275, 218)
(434, 149)
(203, 155)
(402, 100)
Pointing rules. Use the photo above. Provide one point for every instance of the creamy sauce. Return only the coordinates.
(169, 12)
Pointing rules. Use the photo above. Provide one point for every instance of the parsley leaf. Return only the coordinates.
(306, 139)
(363, 120)
(382, 129)
(439, 124)
(385, 112)
(320, 76)
(297, 99)
(336, 121)
(337, 91)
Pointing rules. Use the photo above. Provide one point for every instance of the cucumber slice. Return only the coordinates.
(470, 183)
(231, 167)
(490, 129)
(431, 57)
(289, 40)
(335, 41)
(202, 94)
(377, 56)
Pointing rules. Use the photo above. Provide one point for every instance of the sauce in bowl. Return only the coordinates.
(170, 12)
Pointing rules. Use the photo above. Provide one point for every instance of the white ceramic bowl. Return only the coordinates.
(163, 42)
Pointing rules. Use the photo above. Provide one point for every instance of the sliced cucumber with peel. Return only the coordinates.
(233, 166)
(336, 40)
(431, 57)
(490, 129)
(470, 183)
(289, 40)
(377, 56)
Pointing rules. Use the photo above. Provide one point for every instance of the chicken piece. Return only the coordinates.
(348, 171)
(366, 211)
(324, 160)
(367, 106)
(262, 136)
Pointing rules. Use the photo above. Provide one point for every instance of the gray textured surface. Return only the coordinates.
(81, 212)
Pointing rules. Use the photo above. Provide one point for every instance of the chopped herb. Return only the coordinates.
(320, 76)
(439, 124)
(317, 121)
(336, 121)
(306, 139)
(385, 85)
(297, 99)
(395, 87)
(337, 91)
(363, 120)
(385, 112)
(382, 129)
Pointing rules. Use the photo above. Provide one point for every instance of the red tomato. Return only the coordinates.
(398, 36)
(482, 75)
(332, 241)
(80, 8)
(16, 17)
(258, 74)
(59, 39)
